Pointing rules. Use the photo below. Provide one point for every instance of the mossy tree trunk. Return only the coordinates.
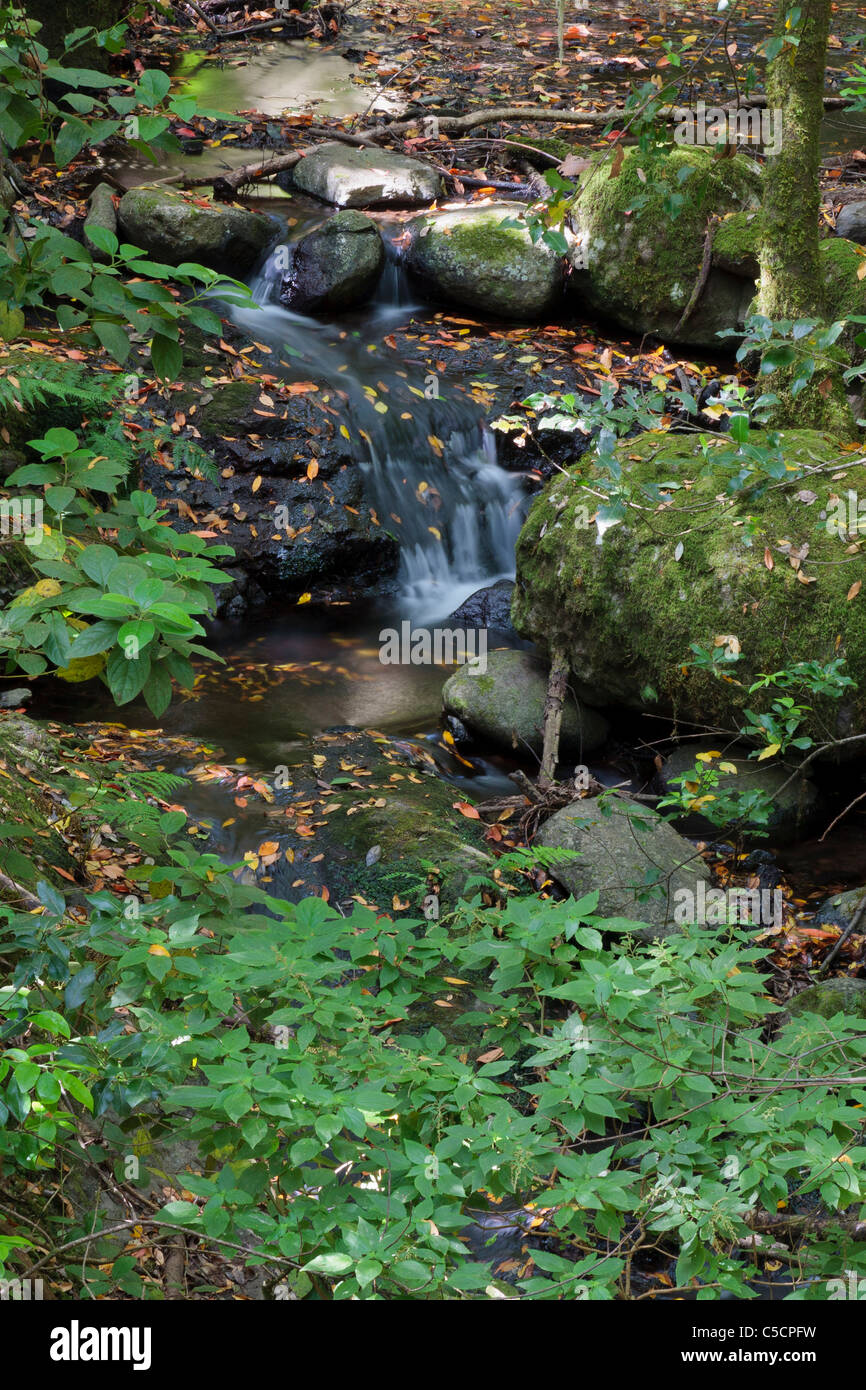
(791, 285)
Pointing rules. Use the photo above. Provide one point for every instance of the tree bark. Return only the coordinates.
(791, 285)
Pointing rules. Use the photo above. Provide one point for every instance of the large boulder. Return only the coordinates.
(175, 229)
(841, 995)
(468, 257)
(291, 533)
(505, 706)
(356, 178)
(794, 798)
(641, 263)
(851, 223)
(335, 267)
(765, 572)
(643, 869)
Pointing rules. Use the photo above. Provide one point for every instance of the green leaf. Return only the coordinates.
(126, 678)
(113, 338)
(332, 1264)
(167, 357)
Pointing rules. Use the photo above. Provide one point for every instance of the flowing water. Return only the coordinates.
(421, 440)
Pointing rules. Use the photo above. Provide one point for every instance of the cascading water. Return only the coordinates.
(428, 459)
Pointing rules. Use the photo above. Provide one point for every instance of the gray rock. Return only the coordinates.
(488, 607)
(842, 994)
(175, 229)
(505, 705)
(467, 257)
(839, 909)
(851, 223)
(356, 178)
(335, 267)
(13, 699)
(793, 808)
(633, 857)
(101, 213)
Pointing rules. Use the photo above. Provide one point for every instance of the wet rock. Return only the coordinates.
(633, 857)
(505, 706)
(175, 229)
(389, 819)
(358, 178)
(467, 257)
(486, 608)
(794, 807)
(841, 995)
(335, 267)
(851, 223)
(290, 533)
(640, 265)
(839, 909)
(101, 213)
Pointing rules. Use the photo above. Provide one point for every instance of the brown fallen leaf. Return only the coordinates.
(466, 810)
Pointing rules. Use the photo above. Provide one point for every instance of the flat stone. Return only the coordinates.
(358, 178)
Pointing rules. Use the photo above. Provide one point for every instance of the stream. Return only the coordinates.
(295, 672)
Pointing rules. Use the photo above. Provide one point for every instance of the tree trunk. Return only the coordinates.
(61, 17)
(791, 285)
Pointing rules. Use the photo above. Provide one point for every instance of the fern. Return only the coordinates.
(67, 383)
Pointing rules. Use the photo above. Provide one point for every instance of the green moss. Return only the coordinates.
(644, 230)
(627, 610)
(736, 244)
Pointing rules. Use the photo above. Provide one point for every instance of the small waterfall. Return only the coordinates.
(429, 461)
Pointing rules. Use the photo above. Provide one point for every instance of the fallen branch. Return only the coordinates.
(225, 186)
(556, 690)
(700, 283)
(840, 942)
(205, 19)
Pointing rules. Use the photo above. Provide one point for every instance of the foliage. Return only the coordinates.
(608, 1097)
(147, 591)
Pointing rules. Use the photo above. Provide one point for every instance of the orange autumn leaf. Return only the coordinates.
(466, 810)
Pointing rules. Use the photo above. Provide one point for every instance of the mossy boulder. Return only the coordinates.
(504, 705)
(641, 263)
(468, 257)
(684, 567)
(841, 995)
(356, 178)
(174, 229)
(635, 859)
(335, 267)
(736, 245)
(794, 797)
